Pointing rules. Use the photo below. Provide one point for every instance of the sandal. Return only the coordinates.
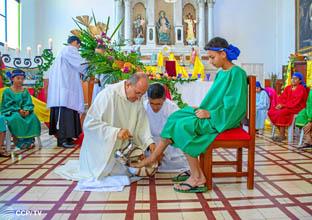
(181, 177)
(278, 138)
(192, 189)
(3, 154)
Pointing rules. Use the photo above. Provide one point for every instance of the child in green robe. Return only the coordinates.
(193, 129)
(304, 121)
(2, 132)
(17, 107)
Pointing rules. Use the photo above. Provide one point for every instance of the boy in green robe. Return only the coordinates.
(304, 121)
(193, 129)
(17, 107)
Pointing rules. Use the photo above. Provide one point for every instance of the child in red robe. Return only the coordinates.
(290, 102)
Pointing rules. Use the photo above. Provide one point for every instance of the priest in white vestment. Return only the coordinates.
(65, 93)
(158, 110)
(116, 114)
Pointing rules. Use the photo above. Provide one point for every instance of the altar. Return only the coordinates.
(179, 24)
(194, 92)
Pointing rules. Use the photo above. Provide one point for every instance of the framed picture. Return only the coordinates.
(303, 26)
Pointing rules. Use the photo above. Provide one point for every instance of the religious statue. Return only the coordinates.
(190, 29)
(163, 27)
(139, 27)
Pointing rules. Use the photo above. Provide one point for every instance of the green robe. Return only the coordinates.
(227, 103)
(20, 127)
(305, 115)
(2, 124)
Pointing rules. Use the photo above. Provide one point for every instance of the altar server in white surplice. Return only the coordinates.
(65, 95)
(158, 110)
(116, 114)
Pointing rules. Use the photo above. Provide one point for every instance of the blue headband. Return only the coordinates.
(258, 84)
(15, 74)
(232, 53)
(300, 76)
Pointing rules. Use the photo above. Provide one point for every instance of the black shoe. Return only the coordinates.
(70, 140)
(67, 145)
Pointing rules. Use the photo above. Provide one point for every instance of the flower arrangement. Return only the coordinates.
(111, 60)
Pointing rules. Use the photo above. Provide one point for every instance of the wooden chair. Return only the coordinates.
(236, 138)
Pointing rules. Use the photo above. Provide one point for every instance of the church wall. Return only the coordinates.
(263, 30)
(55, 18)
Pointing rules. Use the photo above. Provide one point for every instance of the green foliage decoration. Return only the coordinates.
(48, 58)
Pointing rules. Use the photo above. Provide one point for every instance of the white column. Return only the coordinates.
(118, 17)
(210, 19)
(128, 22)
(201, 34)
(178, 28)
(151, 30)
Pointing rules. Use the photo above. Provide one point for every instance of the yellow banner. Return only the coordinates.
(309, 74)
(198, 69)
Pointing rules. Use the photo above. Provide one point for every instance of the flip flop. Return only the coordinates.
(192, 189)
(278, 138)
(306, 146)
(2, 154)
(181, 177)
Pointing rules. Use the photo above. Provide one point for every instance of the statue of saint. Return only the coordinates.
(163, 27)
(139, 26)
(190, 27)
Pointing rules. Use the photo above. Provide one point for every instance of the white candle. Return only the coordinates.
(6, 48)
(28, 51)
(39, 49)
(17, 52)
(50, 43)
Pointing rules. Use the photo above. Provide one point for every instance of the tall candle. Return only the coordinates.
(6, 47)
(50, 43)
(39, 49)
(17, 52)
(28, 51)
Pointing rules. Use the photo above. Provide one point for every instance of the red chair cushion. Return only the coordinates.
(233, 134)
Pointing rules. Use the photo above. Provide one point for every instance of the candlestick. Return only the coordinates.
(17, 52)
(50, 43)
(39, 49)
(28, 51)
(6, 48)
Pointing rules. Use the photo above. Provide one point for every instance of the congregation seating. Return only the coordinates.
(236, 138)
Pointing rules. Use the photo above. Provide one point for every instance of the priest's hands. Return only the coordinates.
(279, 106)
(201, 113)
(124, 134)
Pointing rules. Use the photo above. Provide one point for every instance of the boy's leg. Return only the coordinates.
(282, 131)
(197, 177)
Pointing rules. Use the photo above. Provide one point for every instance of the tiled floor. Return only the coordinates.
(283, 190)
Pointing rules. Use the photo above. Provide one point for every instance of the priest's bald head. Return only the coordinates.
(136, 86)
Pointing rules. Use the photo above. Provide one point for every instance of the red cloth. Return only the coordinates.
(2, 64)
(168, 96)
(273, 97)
(40, 95)
(233, 134)
(1, 68)
(293, 101)
(171, 68)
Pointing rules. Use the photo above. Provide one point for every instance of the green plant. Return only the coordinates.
(48, 58)
(94, 36)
